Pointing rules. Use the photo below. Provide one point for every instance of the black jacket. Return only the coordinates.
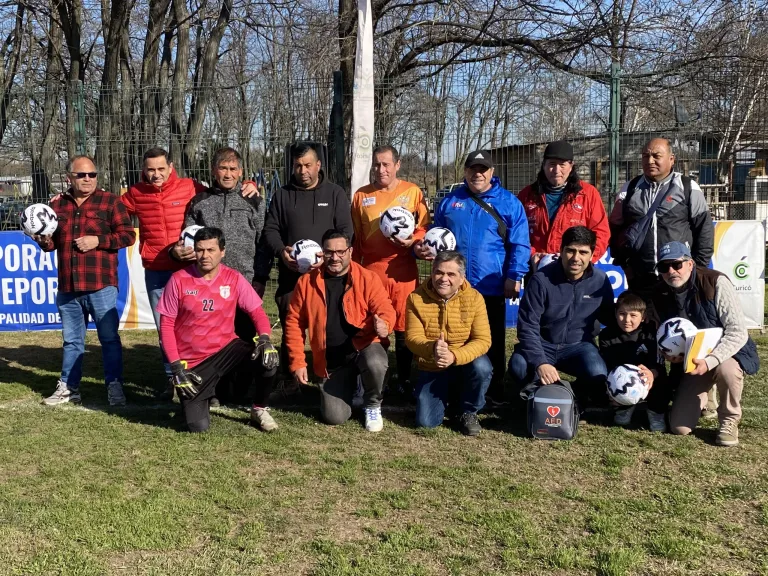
(639, 347)
(297, 214)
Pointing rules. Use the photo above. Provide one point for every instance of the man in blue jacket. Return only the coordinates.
(491, 232)
(563, 305)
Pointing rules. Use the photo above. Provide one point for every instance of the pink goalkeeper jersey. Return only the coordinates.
(198, 315)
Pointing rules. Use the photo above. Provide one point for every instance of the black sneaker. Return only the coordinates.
(469, 424)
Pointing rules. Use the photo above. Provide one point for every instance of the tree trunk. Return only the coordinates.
(12, 47)
(179, 88)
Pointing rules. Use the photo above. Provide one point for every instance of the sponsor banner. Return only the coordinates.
(29, 285)
(740, 253)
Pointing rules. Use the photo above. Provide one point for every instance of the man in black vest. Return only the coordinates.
(708, 299)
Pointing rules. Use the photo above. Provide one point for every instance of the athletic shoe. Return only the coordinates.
(115, 394)
(657, 422)
(261, 418)
(708, 414)
(373, 420)
(62, 395)
(214, 403)
(623, 416)
(728, 435)
(287, 392)
(469, 424)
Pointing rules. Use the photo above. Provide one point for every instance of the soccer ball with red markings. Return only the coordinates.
(39, 219)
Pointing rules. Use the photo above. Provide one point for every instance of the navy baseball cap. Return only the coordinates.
(674, 251)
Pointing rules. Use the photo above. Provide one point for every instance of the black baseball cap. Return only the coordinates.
(560, 150)
(479, 157)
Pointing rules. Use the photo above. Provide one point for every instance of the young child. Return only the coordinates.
(633, 341)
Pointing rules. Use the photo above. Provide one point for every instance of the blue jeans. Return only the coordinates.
(74, 308)
(462, 387)
(581, 360)
(155, 281)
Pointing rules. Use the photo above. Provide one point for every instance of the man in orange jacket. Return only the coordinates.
(391, 259)
(348, 316)
(559, 200)
(159, 201)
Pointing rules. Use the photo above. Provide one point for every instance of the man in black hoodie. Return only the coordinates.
(305, 208)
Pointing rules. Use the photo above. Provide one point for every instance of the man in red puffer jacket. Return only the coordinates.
(559, 200)
(159, 202)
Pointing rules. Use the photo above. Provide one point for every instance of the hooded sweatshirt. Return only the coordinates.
(241, 220)
(297, 213)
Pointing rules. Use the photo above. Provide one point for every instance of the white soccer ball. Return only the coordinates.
(39, 219)
(188, 235)
(672, 334)
(546, 260)
(305, 252)
(439, 239)
(626, 386)
(397, 222)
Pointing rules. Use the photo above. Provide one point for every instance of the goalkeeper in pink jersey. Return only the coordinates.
(197, 333)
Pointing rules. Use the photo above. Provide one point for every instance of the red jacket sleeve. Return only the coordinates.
(597, 221)
(128, 201)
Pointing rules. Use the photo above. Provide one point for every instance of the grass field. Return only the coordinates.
(91, 490)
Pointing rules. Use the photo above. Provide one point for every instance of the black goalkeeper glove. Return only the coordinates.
(269, 357)
(185, 381)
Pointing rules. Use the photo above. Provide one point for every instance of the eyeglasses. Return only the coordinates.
(663, 267)
(81, 175)
(339, 253)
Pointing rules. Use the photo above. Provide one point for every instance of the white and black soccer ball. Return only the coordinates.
(672, 334)
(439, 239)
(546, 260)
(397, 222)
(188, 235)
(305, 252)
(625, 385)
(39, 219)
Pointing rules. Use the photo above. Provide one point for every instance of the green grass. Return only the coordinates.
(98, 491)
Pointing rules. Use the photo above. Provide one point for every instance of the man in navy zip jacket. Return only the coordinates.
(560, 314)
(497, 256)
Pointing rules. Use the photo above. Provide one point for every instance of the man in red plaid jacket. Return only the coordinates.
(93, 226)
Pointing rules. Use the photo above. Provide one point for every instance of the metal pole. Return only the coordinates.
(615, 120)
(80, 117)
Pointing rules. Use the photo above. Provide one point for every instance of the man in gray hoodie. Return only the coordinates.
(241, 219)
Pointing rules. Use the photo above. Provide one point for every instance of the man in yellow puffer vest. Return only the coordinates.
(446, 328)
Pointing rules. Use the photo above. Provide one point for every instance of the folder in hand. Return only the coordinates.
(698, 346)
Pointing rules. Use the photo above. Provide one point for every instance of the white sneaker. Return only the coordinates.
(373, 420)
(62, 395)
(657, 422)
(263, 419)
(115, 394)
(623, 416)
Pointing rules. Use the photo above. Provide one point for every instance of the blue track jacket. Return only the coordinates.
(489, 261)
(561, 311)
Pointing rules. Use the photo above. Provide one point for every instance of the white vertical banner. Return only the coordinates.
(740, 254)
(362, 99)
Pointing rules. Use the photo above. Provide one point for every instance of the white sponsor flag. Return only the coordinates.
(362, 99)
(740, 254)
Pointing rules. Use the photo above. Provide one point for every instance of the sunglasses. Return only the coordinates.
(81, 175)
(663, 267)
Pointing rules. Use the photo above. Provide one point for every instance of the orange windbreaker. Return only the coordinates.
(364, 296)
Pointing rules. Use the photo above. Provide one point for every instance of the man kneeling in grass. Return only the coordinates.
(446, 327)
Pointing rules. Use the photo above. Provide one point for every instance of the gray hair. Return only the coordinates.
(74, 159)
(451, 256)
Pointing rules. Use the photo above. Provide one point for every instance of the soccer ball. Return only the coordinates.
(546, 260)
(39, 219)
(305, 254)
(626, 386)
(188, 235)
(672, 335)
(439, 239)
(397, 222)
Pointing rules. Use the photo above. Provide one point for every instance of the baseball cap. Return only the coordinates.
(560, 150)
(674, 251)
(481, 157)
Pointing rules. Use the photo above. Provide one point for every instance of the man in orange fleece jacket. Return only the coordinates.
(446, 327)
(348, 315)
